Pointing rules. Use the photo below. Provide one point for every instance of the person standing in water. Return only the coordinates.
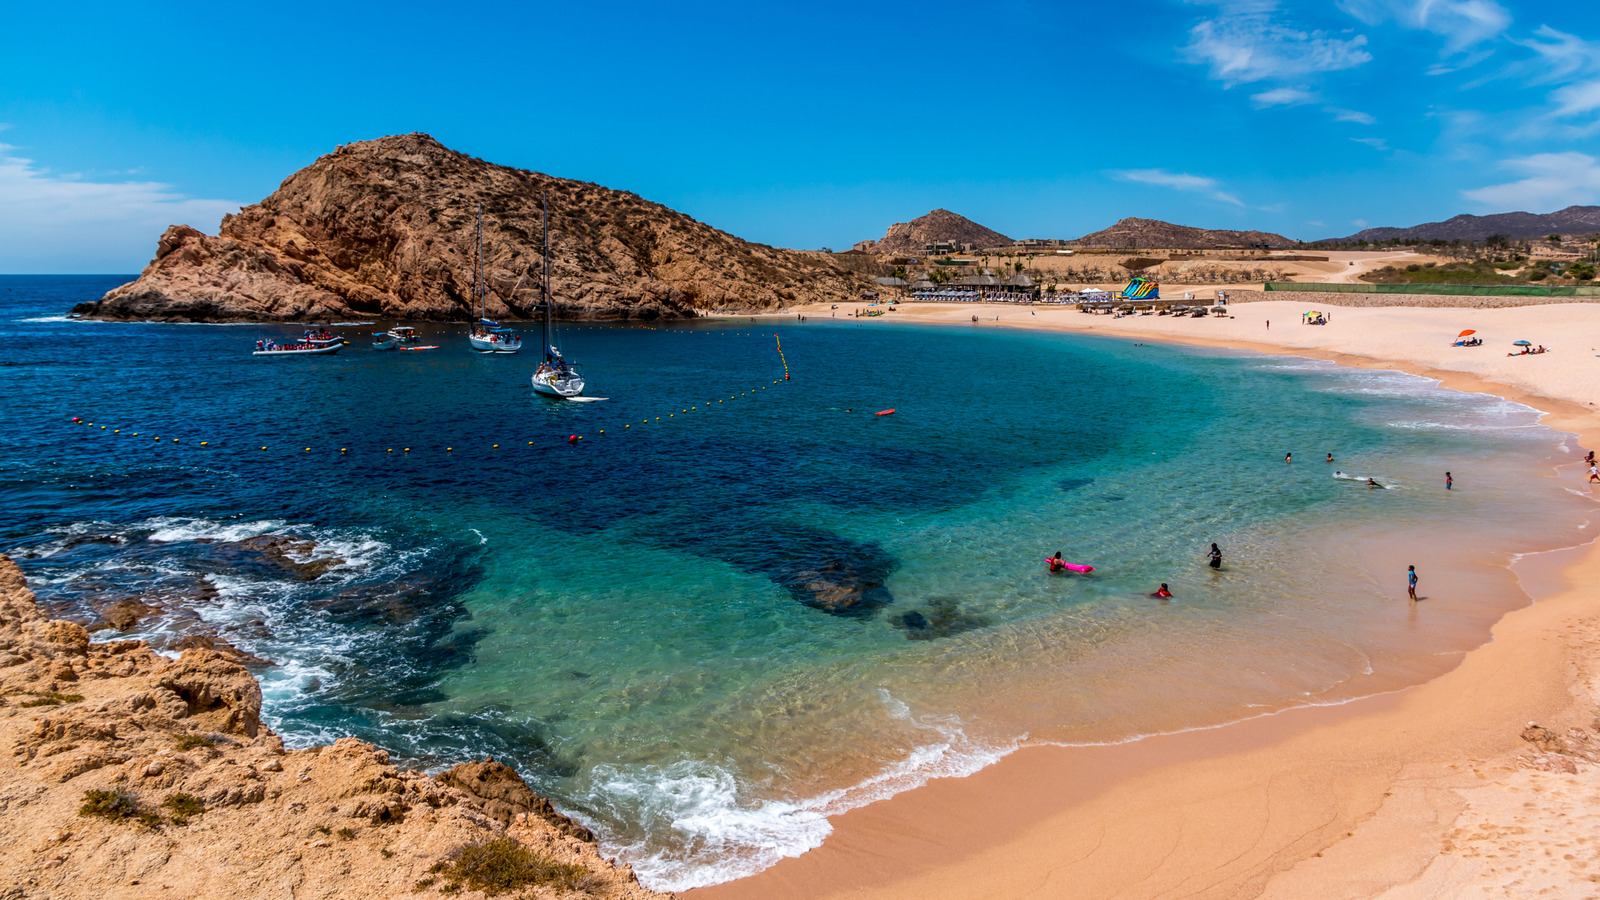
(1330, 457)
(1411, 581)
(1288, 457)
(1448, 481)
(1215, 556)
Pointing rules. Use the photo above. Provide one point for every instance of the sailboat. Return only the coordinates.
(487, 336)
(555, 377)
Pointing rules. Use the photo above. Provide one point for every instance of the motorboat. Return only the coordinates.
(383, 340)
(322, 338)
(404, 335)
(270, 348)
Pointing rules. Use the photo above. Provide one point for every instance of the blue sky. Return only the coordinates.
(814, 125)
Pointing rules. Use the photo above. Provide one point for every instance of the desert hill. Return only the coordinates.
(938, 225)
(387, 227)
(1572, 220)
(1154, 233)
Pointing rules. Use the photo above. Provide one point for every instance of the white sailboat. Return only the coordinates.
(556, 377)
(487, 336)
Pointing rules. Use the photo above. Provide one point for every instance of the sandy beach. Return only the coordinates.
(1440, 790)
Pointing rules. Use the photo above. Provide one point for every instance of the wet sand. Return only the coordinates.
(1429, 791)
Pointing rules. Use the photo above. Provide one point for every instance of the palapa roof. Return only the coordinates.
(979, 281)
(890, 281)
(1020, 280)
(923, 284)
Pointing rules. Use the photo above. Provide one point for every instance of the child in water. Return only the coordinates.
(1057, 564)
(1162, 593)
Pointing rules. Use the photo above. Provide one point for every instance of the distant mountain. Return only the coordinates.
(1572, 220)
(1154, 233)
(940, 225)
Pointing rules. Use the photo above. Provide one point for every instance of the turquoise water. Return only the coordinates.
(636, 621)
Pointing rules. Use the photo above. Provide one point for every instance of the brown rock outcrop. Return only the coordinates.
(1156, 234)
(387, 227)
(125, 774)
(938, 225)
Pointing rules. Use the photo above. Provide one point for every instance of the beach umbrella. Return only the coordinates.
(1467, 332)
(1522, 343)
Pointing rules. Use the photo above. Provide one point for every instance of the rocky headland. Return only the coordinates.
(938, 225)
(388, 227)
(126, 773)
(1153, 233)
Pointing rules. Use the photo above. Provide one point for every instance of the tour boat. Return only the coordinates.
(487, 336)
(404, 334)
(267, 348)
(555, 376)
(323, 338)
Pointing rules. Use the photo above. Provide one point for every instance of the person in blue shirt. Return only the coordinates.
(1411, 581)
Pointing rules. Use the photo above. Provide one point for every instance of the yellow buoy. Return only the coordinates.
(530, 443)
(204, 443)
(497, 446)
(627, 426)
(308, 449)
(102, 428)
(448, 449)
(174, 440)
(118, 431)
(341, 450)
(263, 448)
(602, 431)
(408, 450)
(390, 450)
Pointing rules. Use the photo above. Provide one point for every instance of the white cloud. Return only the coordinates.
(1242, 44)
(1564, 55)
(1197, 184)
(1374, 143)
(1359, 223)
(67, 223)
(1350, 115)
(1577, 99)
(1462, 23)
(1284, 96)
(1551, 181)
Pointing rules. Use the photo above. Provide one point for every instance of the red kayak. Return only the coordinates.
(884, 412)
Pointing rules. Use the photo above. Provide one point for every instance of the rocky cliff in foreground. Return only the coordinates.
(124, 773)
(387, 228)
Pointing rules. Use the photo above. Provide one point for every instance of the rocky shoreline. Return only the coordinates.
(127, 773)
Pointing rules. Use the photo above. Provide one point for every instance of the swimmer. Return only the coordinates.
(1057, 564)
(1330, 457)
(1288, 457)
(1162, 593)
(1371, 483)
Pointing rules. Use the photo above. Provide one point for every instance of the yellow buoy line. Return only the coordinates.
(627, 428)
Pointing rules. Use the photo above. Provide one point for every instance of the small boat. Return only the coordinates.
(404, 335)
(383, 340)
(268, 348)
(487, 336)
(323, 338)
(555, 376)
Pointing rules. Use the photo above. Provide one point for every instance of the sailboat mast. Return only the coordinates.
(544, 203)
(477, 267)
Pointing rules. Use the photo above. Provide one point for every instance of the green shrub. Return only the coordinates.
(51, 698)
(117, 806)
(183, 807)
(192, 741)
(501, 865)
(346, 834)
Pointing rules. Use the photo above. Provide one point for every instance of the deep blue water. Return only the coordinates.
(636, 620)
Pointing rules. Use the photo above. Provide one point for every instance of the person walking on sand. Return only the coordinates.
(1448, 481)
(1215, 556)
(1411, 581)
